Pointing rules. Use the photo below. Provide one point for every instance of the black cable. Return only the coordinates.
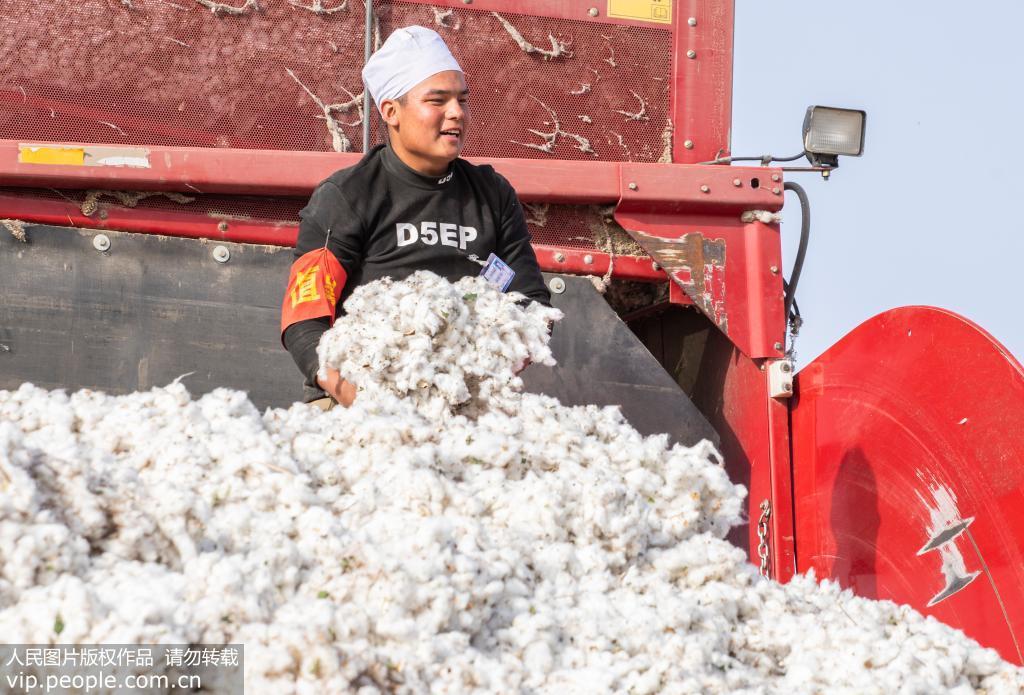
(801, 252)
(795, 320)
(789, 159)
(765, 159)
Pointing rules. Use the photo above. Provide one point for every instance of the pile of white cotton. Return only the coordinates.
(382, 549)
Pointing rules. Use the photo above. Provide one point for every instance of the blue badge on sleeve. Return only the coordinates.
(498, 273)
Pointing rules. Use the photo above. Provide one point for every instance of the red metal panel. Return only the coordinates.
(560, 260)
(273, 172)
(908, 437)
(782, 540)
(732, 392)
(737, 289)
(702, 84)
(690, 189)
(152, 221)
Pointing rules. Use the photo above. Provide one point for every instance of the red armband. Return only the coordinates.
(314, 285)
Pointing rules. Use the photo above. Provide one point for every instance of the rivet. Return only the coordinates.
(692, 21)
(593, 12)
(787, 386)
(221, 254)
(655, 266)
(101, 242)
(777, 346)
(557, 285)
(103, 214)
(705, 189)
(776, 190)
(223, 226)
(633, 186)
(737, 183)
(786, 367)
(775, 177)
(688, 144)
(774, 269)
(467, 2)
(588, 259)
(691, 54)
(560, 257)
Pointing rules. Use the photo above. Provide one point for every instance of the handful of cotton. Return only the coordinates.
(444, 346)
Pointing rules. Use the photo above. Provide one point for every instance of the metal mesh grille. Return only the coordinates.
(169, 72)
(608, 89)
(172, 73)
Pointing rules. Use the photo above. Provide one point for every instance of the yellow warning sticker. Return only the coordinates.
(88, 155)
(645, 10)
(38, 154)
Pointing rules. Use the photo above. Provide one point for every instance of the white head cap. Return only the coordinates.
(409, 56)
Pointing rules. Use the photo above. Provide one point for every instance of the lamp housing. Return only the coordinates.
(830, 132)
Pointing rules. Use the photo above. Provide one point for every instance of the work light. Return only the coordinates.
(830, 132)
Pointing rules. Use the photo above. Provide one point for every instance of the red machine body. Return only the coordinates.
(599, 113)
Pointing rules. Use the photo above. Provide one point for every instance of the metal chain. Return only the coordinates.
(762, 537)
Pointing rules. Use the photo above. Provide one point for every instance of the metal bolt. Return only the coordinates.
(633, 186)
(786, 367)
(588, 259)
(560, 257)
(223, 226)
(692, 21)
(763, 366)
(776, 177)
(774, 269)
(688, 144)
(655, 266)
(737, 183)
(787, 386)
(691, 54)
(593, 12)
(557, 285)
(221, 254)
(467, 2)
(776, 190)
(705, 189)
(104, 215)
(101, 242)
(777, 346)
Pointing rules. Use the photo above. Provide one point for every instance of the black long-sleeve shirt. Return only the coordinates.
(386, 219)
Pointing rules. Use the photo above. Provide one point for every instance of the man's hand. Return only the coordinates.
(337, 388)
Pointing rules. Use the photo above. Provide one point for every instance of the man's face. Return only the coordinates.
(429, 124)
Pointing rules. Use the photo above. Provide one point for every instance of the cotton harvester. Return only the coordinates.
(155, 154)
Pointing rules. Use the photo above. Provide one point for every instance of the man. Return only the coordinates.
(409, 205)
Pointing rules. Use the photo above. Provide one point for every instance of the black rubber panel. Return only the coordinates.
(601, 361)
(142, 313)
(152, 308)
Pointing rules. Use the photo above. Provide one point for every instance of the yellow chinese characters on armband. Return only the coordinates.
(314, 284)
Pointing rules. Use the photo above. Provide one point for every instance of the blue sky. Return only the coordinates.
(933, 213)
